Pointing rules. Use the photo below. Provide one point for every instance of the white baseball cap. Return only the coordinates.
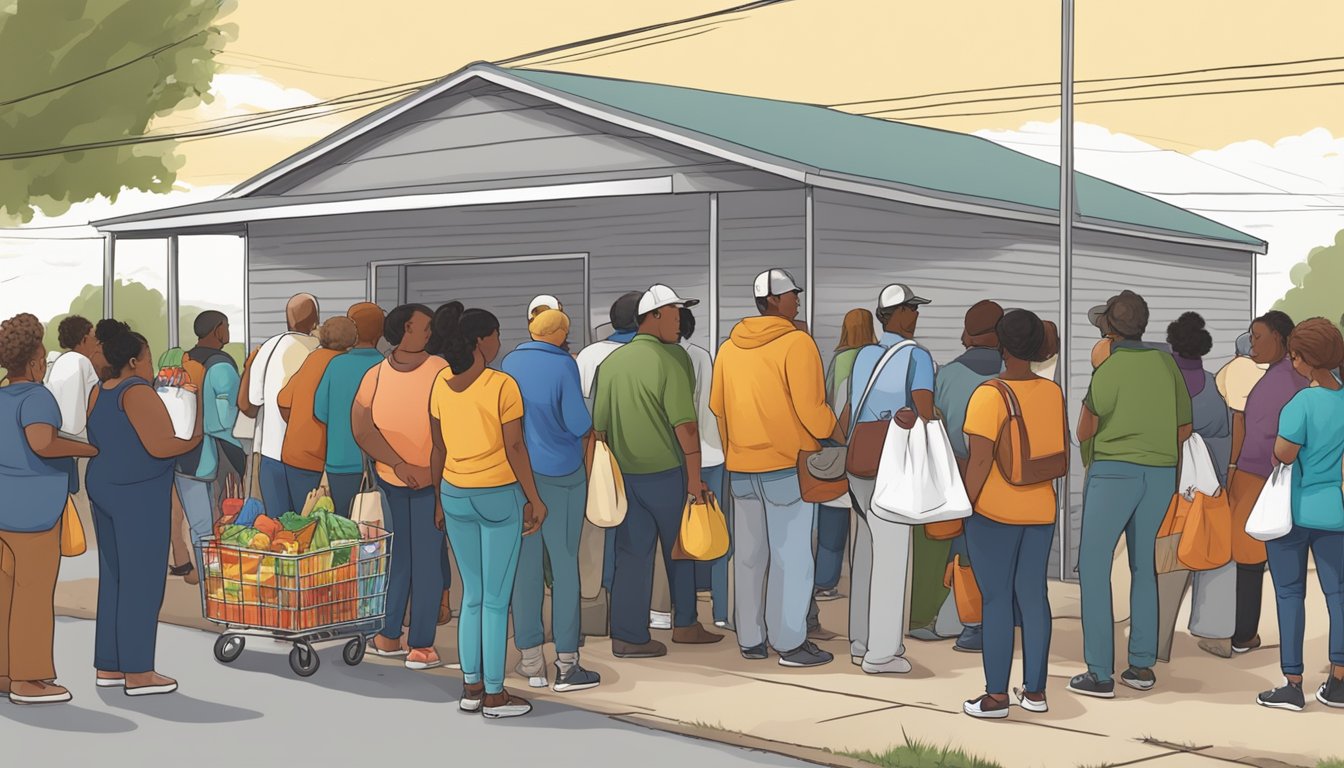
(774, 282)
(896, 294)
(544, 300)
(659, 296)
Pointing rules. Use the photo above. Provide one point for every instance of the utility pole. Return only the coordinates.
(1066, 206)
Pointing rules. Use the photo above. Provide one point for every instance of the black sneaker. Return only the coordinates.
(576, 679)
(805, 655)
(1139, 679)
(1088, 685)
(825, 595)
(1331, 693)
(756, 653)
(1286, 696)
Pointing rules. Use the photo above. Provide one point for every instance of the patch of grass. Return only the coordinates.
(919, 754)
(1331, 762)
(710, 726)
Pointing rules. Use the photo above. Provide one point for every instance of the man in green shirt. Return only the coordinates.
(644, 409)
(1137, 414)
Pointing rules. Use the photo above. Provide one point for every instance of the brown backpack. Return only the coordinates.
(1012, 449)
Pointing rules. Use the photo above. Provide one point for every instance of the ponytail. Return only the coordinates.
(120, 345)
(458, 331)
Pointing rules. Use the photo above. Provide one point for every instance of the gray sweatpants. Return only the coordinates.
(772, 559)
(879, 593)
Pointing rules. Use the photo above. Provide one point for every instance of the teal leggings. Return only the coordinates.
(485, 526)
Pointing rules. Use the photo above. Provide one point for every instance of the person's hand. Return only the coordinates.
(438, 514)
(534, 514)
(699, 492)
(906, 418)
(408, 475)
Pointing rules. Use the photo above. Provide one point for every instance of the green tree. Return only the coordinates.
(1318, 285)
(89, 71)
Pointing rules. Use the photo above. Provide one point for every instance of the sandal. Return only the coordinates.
(181, 570)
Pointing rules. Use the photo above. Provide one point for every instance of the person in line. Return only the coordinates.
(1311, 439)
(180, 552)
(390, 419)
(1254, 429)
(1213, 611)
(712, 575)
(199, 473)
(304, 452)
(645, 411)
(488, 499)
(558, 429)
(34, 481)
(952, 392)
(856, 332)
(1013, 526)
(1137, 414)
(880, 566)
(769, 395)
(71, 378)
(130, 487)
(345, 464)
(279, 358)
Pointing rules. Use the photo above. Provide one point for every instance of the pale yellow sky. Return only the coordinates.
(822, 51)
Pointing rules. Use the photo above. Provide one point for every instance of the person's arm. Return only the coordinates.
(46, 442)
(922, 381)
(1087, 424)
(985, 414)
(370, 440)
(679, 407)
(245, 405)
(149, 416)
(515, 448)
(978, 465)
(1285, 450)
(321, 408)
(221, 382)
(1238, 438)
(438, 456)
(1293, 420)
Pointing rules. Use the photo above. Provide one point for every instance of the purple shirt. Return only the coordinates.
(1266, 401)
(1192, 370)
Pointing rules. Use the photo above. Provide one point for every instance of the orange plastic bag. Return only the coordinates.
(1206, 541)
(961, 580)
(943, 531)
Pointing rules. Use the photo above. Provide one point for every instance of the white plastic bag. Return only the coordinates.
(181, 404)
(1272, 516)
(606, 490)
(1197, 472)
(917, 477)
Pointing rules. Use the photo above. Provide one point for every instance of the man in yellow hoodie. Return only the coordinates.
(769, 394)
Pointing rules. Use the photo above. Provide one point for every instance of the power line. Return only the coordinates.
(565, 59)
(109, 70)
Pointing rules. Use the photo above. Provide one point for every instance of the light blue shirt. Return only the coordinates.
(1314, 419)
(220, 396)
(889, 393)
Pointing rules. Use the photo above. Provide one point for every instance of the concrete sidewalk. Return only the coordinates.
(1201, 712)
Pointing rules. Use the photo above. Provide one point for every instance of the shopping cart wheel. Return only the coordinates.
(353, 653)
(303, 660)
(229, 647)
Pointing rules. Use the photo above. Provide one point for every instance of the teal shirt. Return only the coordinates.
(333, 402)
(220, 398)
(1314, 419)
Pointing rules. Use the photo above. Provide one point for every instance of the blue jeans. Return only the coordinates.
(655, 504)
(1011, 562)
(485, 526)
(714, 574)
(832, 535)
(132, 548)
(415, 574)
(196, 504)
(565, 499)
(301, 482)
(343, 488)
(275, 489)
(1288, 569)
(1130, 500)
(773, 562)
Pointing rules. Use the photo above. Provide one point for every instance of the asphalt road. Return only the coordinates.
(256, 712)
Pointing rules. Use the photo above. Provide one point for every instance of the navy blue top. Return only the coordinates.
(34, 488)
(122, 459)
(554, 415)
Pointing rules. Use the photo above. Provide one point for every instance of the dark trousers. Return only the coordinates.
(300, 483)
(653, 515)
(132, 548)
(1250, 601)
(343, 489)
(418, 564)
(1288, 568)
(832, 535)
(274, 488)
(1011, 564)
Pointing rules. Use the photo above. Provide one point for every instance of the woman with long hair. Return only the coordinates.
(488, 498)
(131, 488)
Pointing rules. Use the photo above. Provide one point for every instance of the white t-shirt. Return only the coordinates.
(590, 357)
(71, 379)
(711, 443)
(278, 360)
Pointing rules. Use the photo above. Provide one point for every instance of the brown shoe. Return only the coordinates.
(149, 684)
(387, 647)
(650, 650)
(504, 704)
(472, 696)
(820, 633)
(445, 609)
(695, 634)
(37, 692)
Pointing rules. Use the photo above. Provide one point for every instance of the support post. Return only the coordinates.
(809, 260)
(174, 299)
(247, 295)
(1066, 213)
(109, 271)
(714, 335)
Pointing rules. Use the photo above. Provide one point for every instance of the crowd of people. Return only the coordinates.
(493, 460)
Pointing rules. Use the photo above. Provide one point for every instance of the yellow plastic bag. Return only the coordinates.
(704, 531)
(73, 543)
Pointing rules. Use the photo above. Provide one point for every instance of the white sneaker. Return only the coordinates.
(897, 666)
(660, 620)
(856, 661)
(1039, 707)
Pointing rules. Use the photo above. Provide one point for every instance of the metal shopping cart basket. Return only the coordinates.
(328, 595)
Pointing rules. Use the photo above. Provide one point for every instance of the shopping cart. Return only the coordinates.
(328, 595)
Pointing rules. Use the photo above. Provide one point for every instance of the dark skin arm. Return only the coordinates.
(149, 417)
(437, 458)
(515, 449)
(688, 436)
(1285, 450)
(372, 442)
(46, 442)
(978, 465)
(245, 406)
(1087, 425)
(1238, 440)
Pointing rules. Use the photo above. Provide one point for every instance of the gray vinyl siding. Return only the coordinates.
(633, 242)
(757, 231)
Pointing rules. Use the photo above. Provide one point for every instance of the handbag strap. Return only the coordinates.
(872, 380)
(1009, 397)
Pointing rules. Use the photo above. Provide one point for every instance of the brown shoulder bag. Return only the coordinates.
(1012, 449)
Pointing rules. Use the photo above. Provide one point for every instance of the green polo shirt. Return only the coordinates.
(645, 390)
(1140, 401)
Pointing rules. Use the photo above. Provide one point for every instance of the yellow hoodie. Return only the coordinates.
(769, 393)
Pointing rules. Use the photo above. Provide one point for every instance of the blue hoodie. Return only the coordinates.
(555, 418)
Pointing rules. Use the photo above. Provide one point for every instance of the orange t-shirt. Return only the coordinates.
(305, 445)
(400, 404)
(1042, 405)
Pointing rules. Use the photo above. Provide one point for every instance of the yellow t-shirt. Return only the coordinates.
(1236, 380)
(472, 423)
(1042, 405)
